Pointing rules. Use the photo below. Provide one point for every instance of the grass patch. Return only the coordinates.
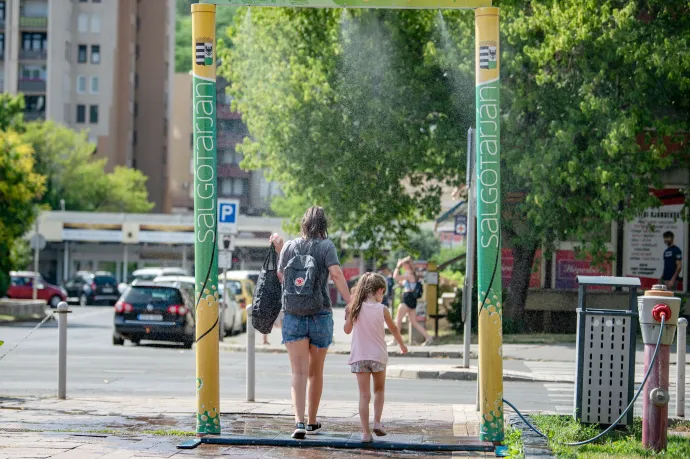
(620, 443)
(513, 441)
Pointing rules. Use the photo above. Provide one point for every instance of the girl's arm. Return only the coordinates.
(394, 330)
(348, 321)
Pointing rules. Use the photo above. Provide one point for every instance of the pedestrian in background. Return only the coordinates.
(365, 318)
(406, 276)
(304, 267)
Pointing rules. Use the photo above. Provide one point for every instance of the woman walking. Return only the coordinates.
(408, 279)
(304, 267)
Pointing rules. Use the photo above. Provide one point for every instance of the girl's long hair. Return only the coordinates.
(368, 285)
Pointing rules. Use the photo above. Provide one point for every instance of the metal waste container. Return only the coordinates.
(605, 378)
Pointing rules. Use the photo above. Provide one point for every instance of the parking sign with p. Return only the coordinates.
(228, 213)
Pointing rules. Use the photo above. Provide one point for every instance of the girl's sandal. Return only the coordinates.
(378, 430)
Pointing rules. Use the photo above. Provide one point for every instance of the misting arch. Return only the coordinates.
(487, 67)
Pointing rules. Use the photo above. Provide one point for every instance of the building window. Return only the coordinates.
(82, 54)
(81, 84)
(95, 54)
(96, 1)
(83, 22)
(2, 44)
(233, 187)
(134, 138)
(95, 24)
(93, 114)
(94, 85)
(68, 52)
(81, 113)
(2, 10)
(32, 41)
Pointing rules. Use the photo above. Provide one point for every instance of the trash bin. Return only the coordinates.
(605, 377)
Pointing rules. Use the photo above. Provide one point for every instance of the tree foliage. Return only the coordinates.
(358, 111)
(65, 157)
(20, 188)
(348, 111)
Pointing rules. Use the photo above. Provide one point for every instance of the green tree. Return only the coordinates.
(20, 188)
(358, 111)
(65, 157)
(349, 111)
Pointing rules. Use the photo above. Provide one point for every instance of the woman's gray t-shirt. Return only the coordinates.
(325, 256)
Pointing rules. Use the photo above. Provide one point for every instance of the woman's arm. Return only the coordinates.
(278, 243)
(340, 282)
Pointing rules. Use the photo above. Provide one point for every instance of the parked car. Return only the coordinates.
(22, 288)
(230, 314)
(148, 274)
(151, 311)
(244, 295)
(87, 287)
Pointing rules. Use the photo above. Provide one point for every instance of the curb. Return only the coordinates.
(533, 445)
(464, 374)
(440, 354)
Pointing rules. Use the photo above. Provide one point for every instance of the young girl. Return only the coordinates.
(364, 318)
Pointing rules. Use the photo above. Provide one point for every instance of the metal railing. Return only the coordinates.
(33, 54)
(32, 85)
(33, 22)
(33, 116)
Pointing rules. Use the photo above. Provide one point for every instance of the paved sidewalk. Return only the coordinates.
(153, 427)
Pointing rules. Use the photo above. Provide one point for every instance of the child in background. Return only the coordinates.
(365, 318)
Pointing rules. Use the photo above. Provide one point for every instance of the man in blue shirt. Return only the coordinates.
(673, 263)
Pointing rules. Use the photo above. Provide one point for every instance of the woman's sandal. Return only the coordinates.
(378, 430)
(367, 438)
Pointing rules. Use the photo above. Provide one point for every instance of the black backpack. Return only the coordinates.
(302, 295)
(419, 289)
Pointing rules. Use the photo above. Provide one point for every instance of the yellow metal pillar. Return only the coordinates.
(431, 294)
(488, 181)
(205, 218)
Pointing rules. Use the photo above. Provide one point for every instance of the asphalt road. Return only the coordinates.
(95, 367)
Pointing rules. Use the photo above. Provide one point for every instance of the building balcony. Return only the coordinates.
(34, 116)
(33, 23)
(33, 54)
(32, 85)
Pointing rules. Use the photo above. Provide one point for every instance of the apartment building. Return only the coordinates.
(251, 188)
(97, 65)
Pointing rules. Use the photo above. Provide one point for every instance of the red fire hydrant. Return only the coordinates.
(655, 304)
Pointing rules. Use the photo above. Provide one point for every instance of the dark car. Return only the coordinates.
(22, 287)
(86, 287)
(158, 312)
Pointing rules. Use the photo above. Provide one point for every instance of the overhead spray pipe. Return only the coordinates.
(628, 408)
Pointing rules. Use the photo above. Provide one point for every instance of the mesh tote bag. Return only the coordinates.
(267, 296)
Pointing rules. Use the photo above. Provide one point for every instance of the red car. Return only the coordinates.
(22, 288)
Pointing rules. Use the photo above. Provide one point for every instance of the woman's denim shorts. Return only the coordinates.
(318, 329)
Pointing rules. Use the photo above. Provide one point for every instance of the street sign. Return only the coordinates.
(37, 242)
(461, 225)
(228, 214)
(224, 260)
